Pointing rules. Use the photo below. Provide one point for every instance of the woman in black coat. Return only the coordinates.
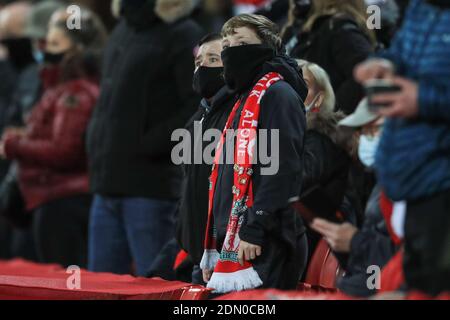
(326, 164)
(335, 37)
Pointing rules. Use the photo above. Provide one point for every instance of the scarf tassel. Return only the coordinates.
(235, 281)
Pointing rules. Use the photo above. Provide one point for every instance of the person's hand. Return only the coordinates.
(207, 273)
(338, 236)
(248, 251)
(403, 104)
(374, 69)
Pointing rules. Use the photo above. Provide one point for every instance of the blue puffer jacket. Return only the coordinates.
(413, 159)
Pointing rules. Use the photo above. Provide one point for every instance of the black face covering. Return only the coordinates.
(445, 4)
(242, 63)
(53, 58)
(208, 81)
(20, 51)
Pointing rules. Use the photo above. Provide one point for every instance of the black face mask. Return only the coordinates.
(208, 81)
(301, 9)
(53, 58)
(20, 51)
(445, 4)
(242, 63)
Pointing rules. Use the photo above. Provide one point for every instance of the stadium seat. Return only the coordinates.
(323, 270)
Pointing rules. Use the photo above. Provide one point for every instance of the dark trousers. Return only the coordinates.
(60, 230)
(427, 244)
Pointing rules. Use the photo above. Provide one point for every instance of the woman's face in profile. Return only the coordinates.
(57, 41)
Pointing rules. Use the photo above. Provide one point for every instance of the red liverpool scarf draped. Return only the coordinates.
(229, 275)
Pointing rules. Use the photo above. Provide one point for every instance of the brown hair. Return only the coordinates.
(88, 43)
(356, 9)
(264, 28)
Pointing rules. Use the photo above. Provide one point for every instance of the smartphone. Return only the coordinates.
(377, 86)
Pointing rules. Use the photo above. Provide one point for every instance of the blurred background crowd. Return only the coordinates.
(86, 172)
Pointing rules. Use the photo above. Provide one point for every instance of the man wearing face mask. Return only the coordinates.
(413, 162)
(16, 47)
(372, 244)
(213, 113)
(253, 238)
(29, 87)
(144, 98)
(15, 57)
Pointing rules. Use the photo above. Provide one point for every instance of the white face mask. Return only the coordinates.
(367, 149)
(311, 105)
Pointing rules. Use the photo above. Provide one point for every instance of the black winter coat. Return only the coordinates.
(146, 94)
(326, 168)
(336, 44)
(371, 245)
(193, 211)
(271, 223)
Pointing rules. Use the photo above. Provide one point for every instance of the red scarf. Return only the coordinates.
(228, 274)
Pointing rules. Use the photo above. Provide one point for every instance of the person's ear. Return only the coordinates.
(318, 103)
(320, 99)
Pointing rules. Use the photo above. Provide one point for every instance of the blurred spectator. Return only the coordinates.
(146, 94)
(390, 15)
(413, 162)
(212, 14)
(275, 10)
(213, 113)
(248, 6)
(257, 222)
(15, 56)
(326, 164)
(101, 8)
(372, 245)
(14, 44)
(28, 89)
(26, 93)
(297, 15)
(12, 27)
(335, 36)
(50, 151)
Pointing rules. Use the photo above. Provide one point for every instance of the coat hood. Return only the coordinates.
(290, 71)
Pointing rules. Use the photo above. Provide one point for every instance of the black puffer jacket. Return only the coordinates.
(145, 95)
(193, 211)
(337, 44)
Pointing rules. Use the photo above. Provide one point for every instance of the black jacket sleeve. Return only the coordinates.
(181, 61)
(372, 244)
(281, 109)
